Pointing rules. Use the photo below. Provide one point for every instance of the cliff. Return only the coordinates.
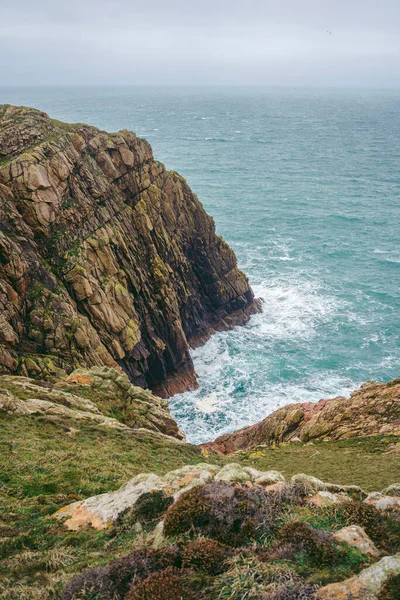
(374, 409)
(106, 258)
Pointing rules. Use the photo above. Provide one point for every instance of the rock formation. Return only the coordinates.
(374, 409)
(101, 396)
(106, 258)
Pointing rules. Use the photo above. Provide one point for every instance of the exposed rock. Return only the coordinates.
(313, 483)
(365, 586)
(233, 473)
(324, 498)
(266, 477)
(354, 491)
(355, 536)
(374, 409)
(383, 502)
(100, 511)
(392, 490)
(106, 258)
(89, 395)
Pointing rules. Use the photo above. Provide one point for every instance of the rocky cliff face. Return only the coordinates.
(106, 258)
(374, 409)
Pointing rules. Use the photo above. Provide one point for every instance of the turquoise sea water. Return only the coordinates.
(305, 186)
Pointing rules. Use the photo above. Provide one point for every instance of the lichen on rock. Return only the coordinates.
(106, 258)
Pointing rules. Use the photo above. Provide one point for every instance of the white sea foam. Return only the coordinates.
(208, 404)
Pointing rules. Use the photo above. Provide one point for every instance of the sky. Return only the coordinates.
(202, 42)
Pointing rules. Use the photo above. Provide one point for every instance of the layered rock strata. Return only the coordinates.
(106, 258)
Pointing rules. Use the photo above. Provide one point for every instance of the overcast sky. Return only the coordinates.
(264, 42)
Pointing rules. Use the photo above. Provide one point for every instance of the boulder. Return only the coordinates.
(324, 498)
(392, 490)
(365, 586)
(383, 502)
(233, 472)
(355, 536)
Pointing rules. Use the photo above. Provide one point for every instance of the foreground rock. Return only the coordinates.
(102, 510)
(365, 586)
(374, 409)
(106, 258)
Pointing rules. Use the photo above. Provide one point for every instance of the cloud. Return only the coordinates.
(254, 42)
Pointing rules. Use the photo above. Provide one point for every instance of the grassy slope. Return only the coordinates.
(367, 462)
(42, 468)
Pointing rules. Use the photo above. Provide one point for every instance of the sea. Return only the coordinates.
(304, 184)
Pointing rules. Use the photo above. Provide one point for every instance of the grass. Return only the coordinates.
(45, 465)
(361, 461)
(42, 468)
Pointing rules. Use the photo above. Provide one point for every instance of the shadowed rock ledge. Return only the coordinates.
(106, 258)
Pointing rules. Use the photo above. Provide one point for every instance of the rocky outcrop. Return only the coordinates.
(101, 396)
(106, 258)
(374, 409)
(100, 511)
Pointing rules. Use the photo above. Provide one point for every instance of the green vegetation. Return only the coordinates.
(366, 462)
(45, 465)
(280, 557)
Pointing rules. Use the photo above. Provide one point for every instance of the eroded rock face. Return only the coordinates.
(106, 258)
(374, 409)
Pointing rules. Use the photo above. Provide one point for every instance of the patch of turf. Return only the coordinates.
(360, 461)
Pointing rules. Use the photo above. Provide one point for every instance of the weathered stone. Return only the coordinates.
(269, 478)
(313, 483)
(324, 498)
(355, 536)
(374, 409)
(365, 586)
(100, 511)
(392, 490)
(383, 502)
(233, 472)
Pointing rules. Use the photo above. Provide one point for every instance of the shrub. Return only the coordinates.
(139, 565)
(170, 584)
(206, 555)
(188, 511)
(152, 504)
(148, 508)
(93, 584)
(230, 514)
(297, 591)
(391, 589)
(301, 537)
(383, 529)
(114, 581)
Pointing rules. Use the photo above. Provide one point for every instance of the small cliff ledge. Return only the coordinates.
(373, 409)
(106, 258)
